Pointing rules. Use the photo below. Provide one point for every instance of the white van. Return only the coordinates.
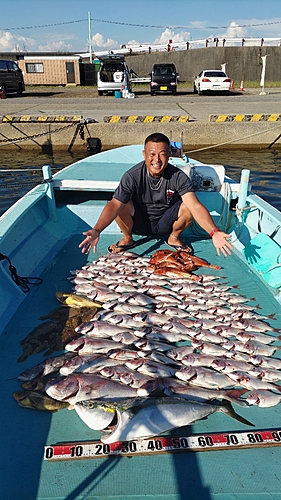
(113, 74)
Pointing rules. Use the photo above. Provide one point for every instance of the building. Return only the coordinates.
(50, 70)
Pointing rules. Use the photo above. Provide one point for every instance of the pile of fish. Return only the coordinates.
(167, 348)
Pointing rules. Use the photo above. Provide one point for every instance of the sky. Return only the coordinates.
(62, 25)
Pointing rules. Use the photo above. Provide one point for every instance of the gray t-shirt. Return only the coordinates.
(153, 196)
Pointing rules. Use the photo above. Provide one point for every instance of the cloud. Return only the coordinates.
(235, 31)
(99, 42)
(169, 34)
(55, 47)
(12, 43)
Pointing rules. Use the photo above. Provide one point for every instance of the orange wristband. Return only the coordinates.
(215, 230)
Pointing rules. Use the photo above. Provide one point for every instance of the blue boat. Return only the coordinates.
(39, 238)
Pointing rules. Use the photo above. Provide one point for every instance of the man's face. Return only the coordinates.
(156, 156)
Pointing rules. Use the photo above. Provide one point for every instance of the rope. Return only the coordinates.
(23, 283)
(233, 140)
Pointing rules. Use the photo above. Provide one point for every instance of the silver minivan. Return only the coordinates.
(113, 74)
(11, 77)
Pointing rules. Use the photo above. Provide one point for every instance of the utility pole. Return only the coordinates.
(90, 37)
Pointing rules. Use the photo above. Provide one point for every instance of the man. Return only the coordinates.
(155, 198)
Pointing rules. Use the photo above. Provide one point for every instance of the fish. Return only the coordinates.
(229, 365)
(252, 325)
(259, 337)
(125, 375)
(139, 299)
(83, 386)
(208, 348)
(246, 380)
(52, 336)
(36, 400)
(124, 307)
(173, 387)
(73, 300)
(95, 415)
(204, 377)
(125, 337)
(263, 398)
(194, 359)
(151, 368)
(46, 367)
(150, 345)
(142, 418)
(99, 328)
(268, 375)
(265, 361)
(178, 353)
(86, 364)
(88, 345)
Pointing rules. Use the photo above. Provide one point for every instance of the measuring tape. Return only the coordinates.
(163, 444)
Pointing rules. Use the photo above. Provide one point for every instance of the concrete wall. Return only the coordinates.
(241, 62)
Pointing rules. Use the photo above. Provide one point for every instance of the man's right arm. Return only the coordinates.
(108, 215)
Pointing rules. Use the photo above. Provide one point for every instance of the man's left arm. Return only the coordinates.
(202, 216)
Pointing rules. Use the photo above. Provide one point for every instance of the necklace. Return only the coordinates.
(154, 185)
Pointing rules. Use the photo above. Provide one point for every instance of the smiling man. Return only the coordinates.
(155, 198)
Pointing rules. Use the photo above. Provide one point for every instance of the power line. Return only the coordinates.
(141, 25)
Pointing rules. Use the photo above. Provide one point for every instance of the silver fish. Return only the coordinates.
(244, 379)
(151, 368)
(204, 377)
(179, 353)
(259, 337)
(263, 398)
(83, 386)
(87, 345)
(150, 345)
(50, 365)
(94, 415)
(268, 375)
(265, 361)
(125, 337)
(198, 360)
(86, 364)
(174, 387)
(147, 417)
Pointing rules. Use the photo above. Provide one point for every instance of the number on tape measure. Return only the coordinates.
(163, 444)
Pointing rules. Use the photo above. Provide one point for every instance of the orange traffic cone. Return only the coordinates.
(241, 86)
(232, 85)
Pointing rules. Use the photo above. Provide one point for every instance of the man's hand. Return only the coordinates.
(221, 243)
(91, 240)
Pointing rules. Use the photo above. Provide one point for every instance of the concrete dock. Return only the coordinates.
(63, 118)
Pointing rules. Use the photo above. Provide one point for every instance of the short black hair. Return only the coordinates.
(157, 137)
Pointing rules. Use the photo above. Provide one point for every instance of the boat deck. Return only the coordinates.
(234, 474)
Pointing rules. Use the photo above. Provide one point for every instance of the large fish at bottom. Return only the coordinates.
(141, 418)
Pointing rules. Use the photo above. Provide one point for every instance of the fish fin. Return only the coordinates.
(235, 395)
(233, 414)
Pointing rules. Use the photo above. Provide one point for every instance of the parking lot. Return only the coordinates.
(86, 102)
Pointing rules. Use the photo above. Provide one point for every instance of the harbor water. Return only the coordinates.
(21, 170)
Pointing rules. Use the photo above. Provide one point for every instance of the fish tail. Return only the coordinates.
(234, 396)
(230, 411)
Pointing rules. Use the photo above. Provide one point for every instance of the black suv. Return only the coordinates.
(11, 77)
(163, 78)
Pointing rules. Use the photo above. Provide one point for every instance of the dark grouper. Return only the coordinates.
(139, 418)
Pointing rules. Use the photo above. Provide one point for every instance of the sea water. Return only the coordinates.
(22, 170)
